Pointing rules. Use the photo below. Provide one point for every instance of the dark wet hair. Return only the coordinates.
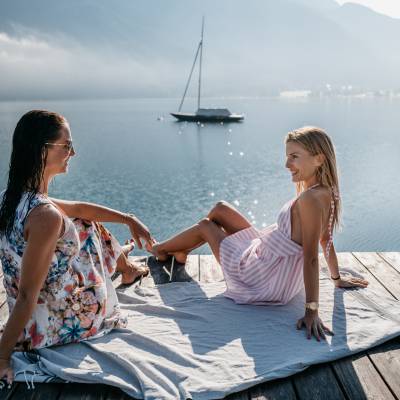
(28, 160)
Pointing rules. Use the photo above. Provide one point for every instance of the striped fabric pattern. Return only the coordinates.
(263, 267)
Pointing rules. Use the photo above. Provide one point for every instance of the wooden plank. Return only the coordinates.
(210, 270)
(42, 391)
(80, 391)
(317, 390)
(386, 359)
(116, 394)
(6, 393)
(238, 396)
(281, 389)
(311, 383)
(393, 258)
(382, 271)
(192, 266)
(348, 261)
(357, 374)
(360, 379)
(318, 383)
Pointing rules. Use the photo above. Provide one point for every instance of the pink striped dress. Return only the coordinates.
(263, 267)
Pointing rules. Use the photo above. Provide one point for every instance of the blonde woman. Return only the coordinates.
(271, 266)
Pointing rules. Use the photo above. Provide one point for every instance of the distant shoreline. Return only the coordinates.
(284, 95)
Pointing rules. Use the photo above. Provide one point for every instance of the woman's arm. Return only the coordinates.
(331, 260)
(90, 211)
(310, 212)
(95, 212)
(310, 219)
(347, 281)
(43, 228)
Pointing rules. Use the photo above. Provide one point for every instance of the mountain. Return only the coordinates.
(250, 48)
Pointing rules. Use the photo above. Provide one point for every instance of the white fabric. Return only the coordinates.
(186, 340)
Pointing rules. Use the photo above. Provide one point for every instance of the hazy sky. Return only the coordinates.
(388, 7)
(125, 49)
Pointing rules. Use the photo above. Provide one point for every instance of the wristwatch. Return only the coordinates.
(313, 306)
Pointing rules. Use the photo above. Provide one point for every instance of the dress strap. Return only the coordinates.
(330, 228)
(313, 186)
(330, 223)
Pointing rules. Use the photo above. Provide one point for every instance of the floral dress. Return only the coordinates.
(77, 300)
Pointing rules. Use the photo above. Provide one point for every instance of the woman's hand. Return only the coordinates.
(313, 325)
(140, 231)
(6, 371)
(350, 281)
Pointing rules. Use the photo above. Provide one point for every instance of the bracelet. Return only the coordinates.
(335, 279)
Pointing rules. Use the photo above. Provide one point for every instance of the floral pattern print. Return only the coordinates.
(75, 302)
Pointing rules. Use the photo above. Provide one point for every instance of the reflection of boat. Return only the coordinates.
(204, 114)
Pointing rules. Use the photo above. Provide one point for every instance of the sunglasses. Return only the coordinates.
(67, 146)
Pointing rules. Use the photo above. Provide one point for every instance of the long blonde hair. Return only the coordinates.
(316, 141)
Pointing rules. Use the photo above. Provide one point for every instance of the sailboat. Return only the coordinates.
(203, 114)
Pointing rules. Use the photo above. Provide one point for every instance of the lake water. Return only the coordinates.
(170, 174)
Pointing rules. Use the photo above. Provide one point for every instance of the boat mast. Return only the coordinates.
(201, 59)
(191, 72)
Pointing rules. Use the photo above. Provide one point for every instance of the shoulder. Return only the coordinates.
(310, 201)
(314, 202)
(44, 218)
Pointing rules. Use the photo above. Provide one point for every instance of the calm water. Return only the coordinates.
(170, 174)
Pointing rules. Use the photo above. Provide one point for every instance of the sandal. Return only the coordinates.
(141, 271)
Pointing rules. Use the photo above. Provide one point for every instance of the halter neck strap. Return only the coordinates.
(312, 187)
(330, 221)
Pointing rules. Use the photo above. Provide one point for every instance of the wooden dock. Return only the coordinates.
(372, 374)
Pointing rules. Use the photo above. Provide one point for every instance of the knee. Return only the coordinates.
(204, 224)
(220, 206)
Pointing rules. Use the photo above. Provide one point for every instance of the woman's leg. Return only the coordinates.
(129, 270)
(222, 215)
(230, 219)
(114, 256)
(206, 231)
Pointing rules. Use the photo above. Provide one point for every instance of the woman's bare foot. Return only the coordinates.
(130, 271)
(158, 253)
(133, 273)
(161, 255)
(128, 247)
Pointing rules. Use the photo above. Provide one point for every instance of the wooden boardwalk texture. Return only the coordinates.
(373, 374)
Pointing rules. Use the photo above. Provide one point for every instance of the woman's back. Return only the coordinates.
(321, 197)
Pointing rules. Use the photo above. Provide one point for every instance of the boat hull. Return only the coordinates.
(207, 118)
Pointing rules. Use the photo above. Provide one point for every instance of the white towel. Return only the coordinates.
(186, 340)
